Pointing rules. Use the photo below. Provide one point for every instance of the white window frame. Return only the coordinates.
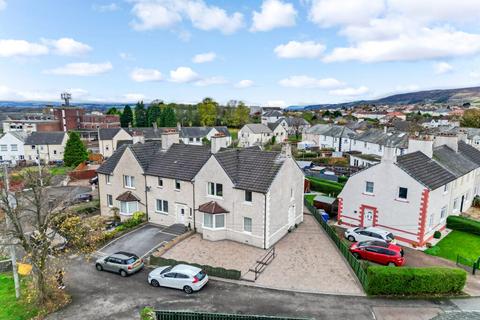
(366, 187)
(215, 189)
(177, 182)
(443, 213)
(245, 225)
(4, 147)
(160, 182)
(398, 195)
(109, 200)
(107, 179)
(251, 196)
(14, 147)
(455, 204)
(214, 219)
(161, 208)
(128, 181)
(129, 205)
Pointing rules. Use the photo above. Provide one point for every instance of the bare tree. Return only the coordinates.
(31, 214)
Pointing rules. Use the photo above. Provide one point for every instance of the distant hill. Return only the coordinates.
(447, 96)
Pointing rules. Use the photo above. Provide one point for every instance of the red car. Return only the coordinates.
(379, 252)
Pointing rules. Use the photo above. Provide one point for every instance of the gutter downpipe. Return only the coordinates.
(193, 209)
(146, 197)
(265, 223)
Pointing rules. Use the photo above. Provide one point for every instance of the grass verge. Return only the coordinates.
(11, 308)
(457, 243)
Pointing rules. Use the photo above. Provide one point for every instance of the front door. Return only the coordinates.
(368, 217)
(181, 211)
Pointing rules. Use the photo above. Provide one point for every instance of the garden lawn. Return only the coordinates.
(55, 171)
(10, 308)
(457, 243)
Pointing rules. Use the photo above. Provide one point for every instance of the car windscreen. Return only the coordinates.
(390, 236)
(200, 275)
(166, 270)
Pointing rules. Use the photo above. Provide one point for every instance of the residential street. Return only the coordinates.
(101, 295)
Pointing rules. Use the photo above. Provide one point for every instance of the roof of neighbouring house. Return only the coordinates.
(425, 170)
(296, 122)
(258, 128)
(272, 113)
(143, 152)
(274, 125)
(251, 169)
(325, 199)
(180, 161)
(20, 135)
(397, 139)
(470, 152)
(44, 138)
(194, 132)
(455, 162)
(127, 196)
(108, 133)
(331, 131)
(212, 207)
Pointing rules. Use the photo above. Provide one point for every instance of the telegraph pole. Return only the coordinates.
(13, 254)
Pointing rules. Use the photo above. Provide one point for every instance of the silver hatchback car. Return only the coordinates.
(124, 263)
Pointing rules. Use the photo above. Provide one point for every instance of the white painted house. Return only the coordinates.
(254, 134)
(329, 136)
(270, 116)
(197, 135)
(109, 139)
(413, 194)
(12, 147)
(46, 146)
(236, 194)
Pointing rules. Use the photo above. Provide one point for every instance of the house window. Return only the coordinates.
(402, 193)
(109, 200)
(215, 189)
(369, 187)
(213, 221)
(445, 188)
(33, 147)
(54, 151)
(430, 221)
(248, 196)
(129, 181)
(161, 206)
(107, 178)
(467, 195)
(379, 147)
(160, 182)
(128, 207)
(3, 147)
(247, 224)
(177, 184)
(14, 147)
(455, 204)
(364, 144)
(443, 213)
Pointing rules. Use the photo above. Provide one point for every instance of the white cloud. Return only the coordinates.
(302, 81)
(204, 57)
(244, 84)
(425, 44)
(349, 92)
(133, 97)
(183, 75)
(327, 13)
(210, 81)
(3, 4)
(152, 14)
(11, 48)
(67, 46)
(437, 10)
(7, 93)
(406, 88)
(276, 103)
(145, 75)
(274, 14)
(110, 7)
(442, 67)
(81, 69)
(295, 49)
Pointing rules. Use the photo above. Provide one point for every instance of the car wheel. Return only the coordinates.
(123, 273)
(357, 256)
(188, 289)
(99, 267)
(391, 264)
(155, 283)
(351, 238)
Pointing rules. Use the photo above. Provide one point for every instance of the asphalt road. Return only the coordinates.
(102, 295)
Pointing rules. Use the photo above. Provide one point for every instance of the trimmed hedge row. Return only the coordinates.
(415, 281)
(211, 271)
(463, 224)
(325, 186)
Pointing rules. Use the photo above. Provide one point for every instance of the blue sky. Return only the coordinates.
(271, 52)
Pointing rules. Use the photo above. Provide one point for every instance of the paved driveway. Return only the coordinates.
(143, 240)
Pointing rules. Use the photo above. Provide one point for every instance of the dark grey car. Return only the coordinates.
(124, 263)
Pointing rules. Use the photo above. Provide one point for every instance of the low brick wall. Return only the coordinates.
(5, 265)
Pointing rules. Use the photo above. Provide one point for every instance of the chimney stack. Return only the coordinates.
(218, 141)
(287, 150)
(421, 143)
(448, 139)
(169, 136)
(389, 154)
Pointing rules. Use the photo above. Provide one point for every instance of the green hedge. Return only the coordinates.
(211, 271)
(415, 281)
(463, 224)
(326, 186)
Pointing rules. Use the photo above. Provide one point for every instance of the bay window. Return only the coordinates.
(213, 221)
(128, 207)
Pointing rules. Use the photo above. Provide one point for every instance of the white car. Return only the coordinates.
(369, 233)
(182, 276)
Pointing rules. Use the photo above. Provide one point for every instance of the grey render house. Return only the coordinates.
(245, 195)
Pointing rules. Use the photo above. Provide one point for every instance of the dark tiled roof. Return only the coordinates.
(272, 113)
(212, 207)
(122, 142)
(423, 169)
(180, 162)
(143, 152)
(469, 152)
(250, 169)
(127, 197)
(108, 133)
(274, 125)
(455, 162)
(391, 139)
(223, 130)
(331, 131)
(296, 122)
(258, 128)
(194, 132)
(39, 138)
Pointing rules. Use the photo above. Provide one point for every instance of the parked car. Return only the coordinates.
(369, 233)
(94, 180)
(82, 197)
(124, 263)
(182, 276)
(378, 251)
